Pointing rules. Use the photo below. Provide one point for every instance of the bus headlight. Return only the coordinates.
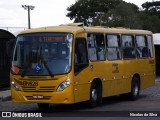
(15, 86)
(63, 85)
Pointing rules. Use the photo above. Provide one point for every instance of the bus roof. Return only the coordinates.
(78, 29)
(118, 30)
(69, 29)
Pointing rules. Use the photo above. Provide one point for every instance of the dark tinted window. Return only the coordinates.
(80, 59)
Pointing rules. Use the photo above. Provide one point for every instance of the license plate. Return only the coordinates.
(37, 96)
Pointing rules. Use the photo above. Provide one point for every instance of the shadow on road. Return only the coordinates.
(83, 106)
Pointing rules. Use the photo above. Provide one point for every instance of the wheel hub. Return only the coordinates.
(94, 94)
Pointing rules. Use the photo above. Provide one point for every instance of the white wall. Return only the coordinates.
(156, 38)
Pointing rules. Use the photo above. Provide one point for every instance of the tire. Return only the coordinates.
(135, 89)
(43, 105)
(95, 95)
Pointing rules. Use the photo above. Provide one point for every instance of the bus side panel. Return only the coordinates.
(100, 70)
(108, 83)
(129, 68)
(148, 77)
(82, 85)
(114, 78)
(103, 70)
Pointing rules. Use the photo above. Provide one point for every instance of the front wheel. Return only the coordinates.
(94, 95)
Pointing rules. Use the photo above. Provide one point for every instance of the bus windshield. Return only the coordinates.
(42, 54)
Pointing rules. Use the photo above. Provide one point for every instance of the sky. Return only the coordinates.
(45, 13)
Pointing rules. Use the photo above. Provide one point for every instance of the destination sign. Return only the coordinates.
(48, 39)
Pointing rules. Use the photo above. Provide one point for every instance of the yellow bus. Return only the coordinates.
(71, 63)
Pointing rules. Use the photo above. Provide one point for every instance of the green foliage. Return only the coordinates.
(116, 13)
(124, 14)
(151, 23)
(86, 10)
(152, 8)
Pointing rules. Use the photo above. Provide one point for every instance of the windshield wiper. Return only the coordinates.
(46, 66)
(24, 71)
(45, 63)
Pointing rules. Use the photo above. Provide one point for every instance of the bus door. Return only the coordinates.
(81, 70)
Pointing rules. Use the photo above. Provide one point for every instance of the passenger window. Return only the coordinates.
(150, 46)
(96, 47)
(128, 46)
(80, 57)
(142, 49)
(113, 47)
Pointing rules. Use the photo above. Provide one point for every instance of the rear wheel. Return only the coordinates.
(43, 105)
(135, 89)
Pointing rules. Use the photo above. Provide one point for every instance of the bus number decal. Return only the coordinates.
(31, 83)
(116, 70)
(151, 61)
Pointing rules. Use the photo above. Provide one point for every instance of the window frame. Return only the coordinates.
(119, 46)
(87, 58)
(146, 46)
(96, 47)
(153, 54)
(133, 47)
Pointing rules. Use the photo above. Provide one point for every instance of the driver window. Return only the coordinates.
(80, 57)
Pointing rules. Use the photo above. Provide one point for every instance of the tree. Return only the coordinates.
(151, 13)
(86, 10)
(152, 8)
(124, 14)
(116, 13)
(149, 22)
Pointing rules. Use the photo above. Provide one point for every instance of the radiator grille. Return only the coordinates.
(39, 89)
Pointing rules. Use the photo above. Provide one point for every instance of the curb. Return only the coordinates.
(3, 99)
